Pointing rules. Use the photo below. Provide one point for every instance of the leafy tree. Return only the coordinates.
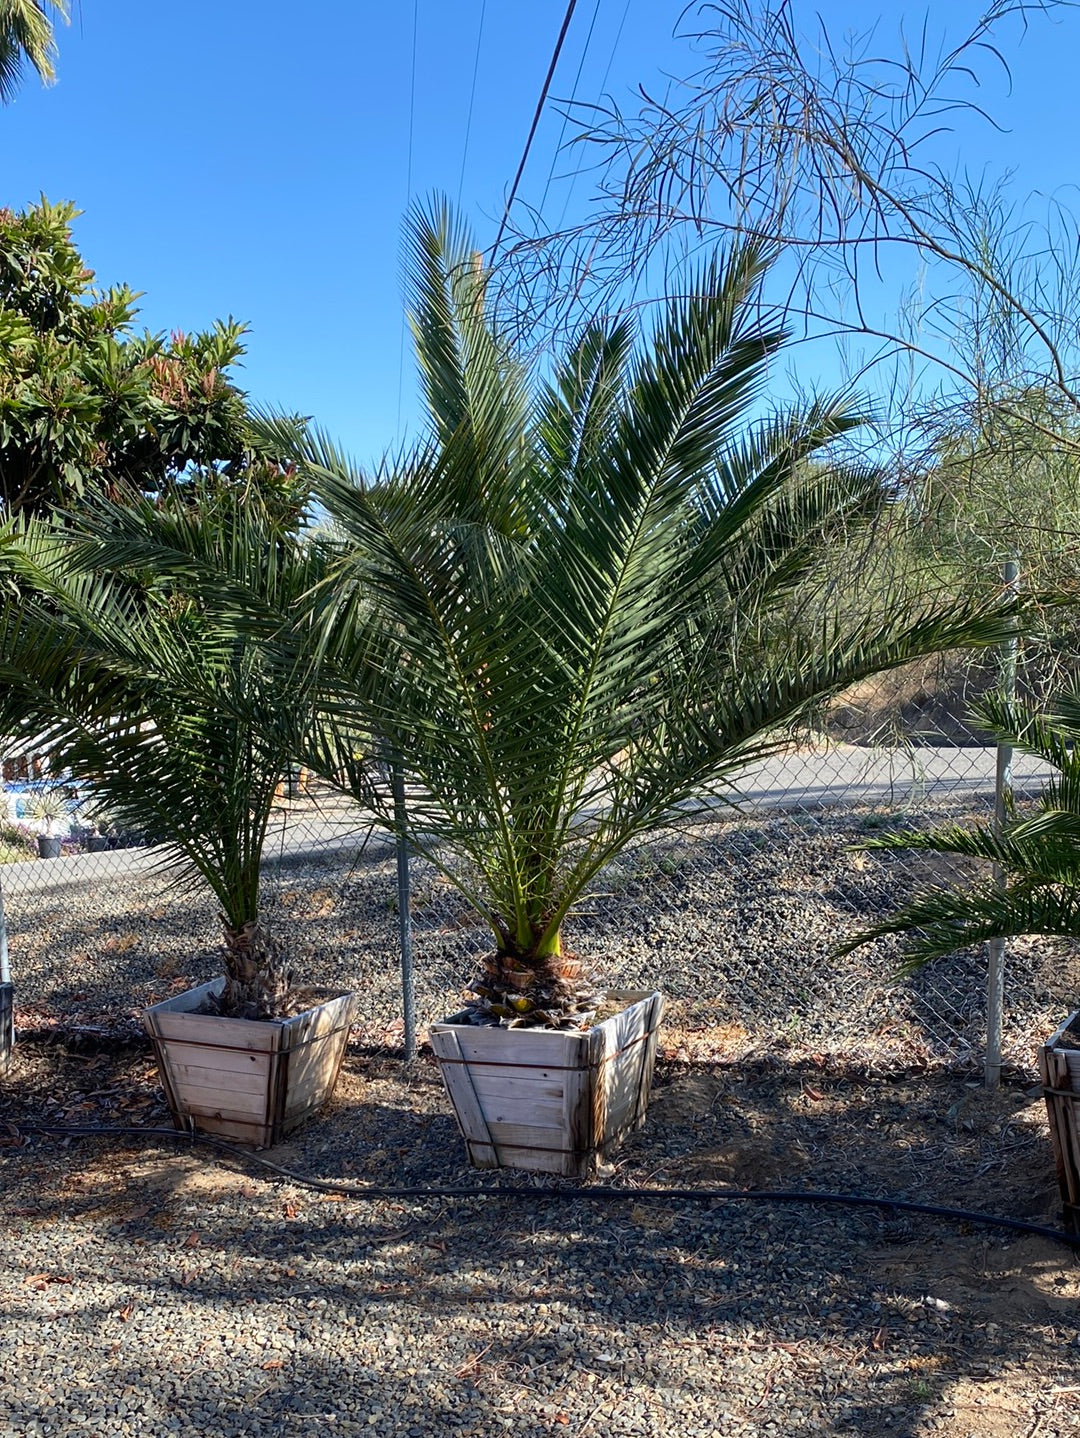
(86, 404)
(27, 37)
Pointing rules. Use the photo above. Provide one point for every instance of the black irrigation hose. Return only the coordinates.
(593, 1192)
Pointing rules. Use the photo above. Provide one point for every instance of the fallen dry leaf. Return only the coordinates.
(272, 1364)
(193, 1240)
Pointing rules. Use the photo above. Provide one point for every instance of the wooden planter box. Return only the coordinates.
(1059, 1066)
(7, 1024)
(245, 1079)
(548, 1100)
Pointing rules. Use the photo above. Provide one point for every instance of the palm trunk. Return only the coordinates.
(257, 984)
(533, 990)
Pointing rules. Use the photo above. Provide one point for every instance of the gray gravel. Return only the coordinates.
(154, 1292)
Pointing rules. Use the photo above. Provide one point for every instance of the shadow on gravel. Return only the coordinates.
(199, 1295)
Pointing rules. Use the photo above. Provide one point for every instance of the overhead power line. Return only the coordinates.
(569, 109)
(536, 119)
(603, 87)
(408, 195)
(472, 98)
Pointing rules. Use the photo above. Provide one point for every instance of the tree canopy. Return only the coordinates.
(86, 401)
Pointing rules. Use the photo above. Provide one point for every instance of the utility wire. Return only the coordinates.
(472, 98)
(603, 83)
(536, 119)
(569, 108)
(408, 196)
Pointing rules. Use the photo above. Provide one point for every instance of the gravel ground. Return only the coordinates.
(155, 1291)
(159, 1290)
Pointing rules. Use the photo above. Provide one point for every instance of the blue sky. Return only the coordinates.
(253, 158)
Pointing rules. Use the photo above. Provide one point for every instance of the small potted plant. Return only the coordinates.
(172, 725)
(49, 807)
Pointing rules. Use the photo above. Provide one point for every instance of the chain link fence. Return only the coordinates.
(735, 913)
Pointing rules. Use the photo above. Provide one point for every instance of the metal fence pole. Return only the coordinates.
(7, 994)
(408, 975)
(995, 975)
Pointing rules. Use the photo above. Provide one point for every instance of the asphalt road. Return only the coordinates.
(840, 774)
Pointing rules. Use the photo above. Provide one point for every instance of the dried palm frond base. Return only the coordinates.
(552, 993)
(257, 984)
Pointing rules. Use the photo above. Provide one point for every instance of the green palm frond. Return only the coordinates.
(27, 38)
(1039, 855)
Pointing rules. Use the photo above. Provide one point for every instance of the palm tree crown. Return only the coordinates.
(570, 609)
(122, 676)
(27, 37)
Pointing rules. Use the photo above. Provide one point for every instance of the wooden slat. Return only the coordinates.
(212, 1101)
(316, 1023)
(653, 1019)
(532, 1083)
(311, 1073)
(256, 1134)
(470, 1115)
(528, 1135)
(542, 1112)
(212, 1030)
(251, 1080)
(516, 1046)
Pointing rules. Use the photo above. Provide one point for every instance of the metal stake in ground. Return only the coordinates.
(995, 977)
(408, 976)
(7, 994)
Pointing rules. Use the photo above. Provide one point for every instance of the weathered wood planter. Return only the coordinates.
(1059, 1065)
(7, 1024)
(549, 1100)
(245, 1079)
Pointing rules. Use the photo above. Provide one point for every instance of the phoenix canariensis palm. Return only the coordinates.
(119, 674)
(1038, 854)
(570, 611)
(27, 37)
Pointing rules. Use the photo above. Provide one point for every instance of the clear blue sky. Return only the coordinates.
(244, 158)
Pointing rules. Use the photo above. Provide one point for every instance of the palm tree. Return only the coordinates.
(1039, 855)
(121, 677)
(571, 610)
(27, 37)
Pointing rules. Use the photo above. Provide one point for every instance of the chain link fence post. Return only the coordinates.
(7, 994)
(995, 972)
(404, 899)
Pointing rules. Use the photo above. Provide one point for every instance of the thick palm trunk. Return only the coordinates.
(257, 984)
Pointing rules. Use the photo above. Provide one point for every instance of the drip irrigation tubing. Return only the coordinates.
(594, 1193)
